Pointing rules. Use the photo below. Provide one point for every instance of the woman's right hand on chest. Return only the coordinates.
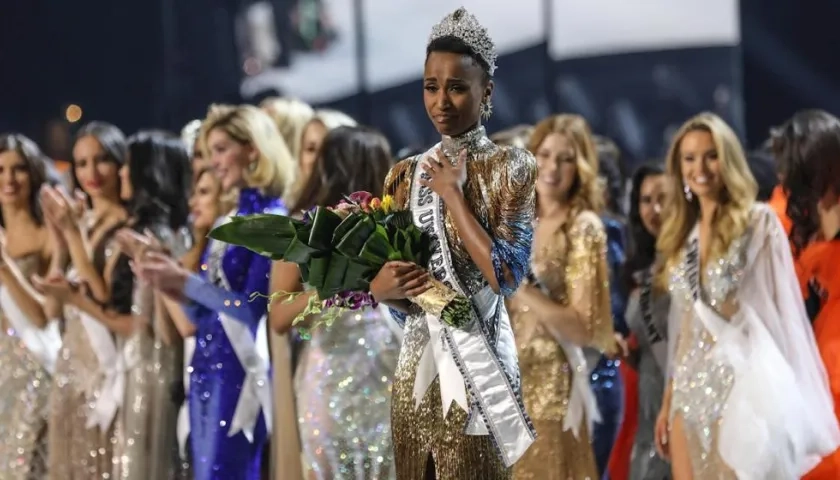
(399, 280)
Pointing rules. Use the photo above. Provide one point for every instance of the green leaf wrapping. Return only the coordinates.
(400, 220)
(351, 244)
(266, 234)
(359, 275)
(377, 249)
(299, 252)
(345, 226)
(318, 268)
(324, 224)
(334, 278)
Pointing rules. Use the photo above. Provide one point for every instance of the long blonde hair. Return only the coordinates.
(275, 168)
(586, 192)
(737, 197)
(291, 117)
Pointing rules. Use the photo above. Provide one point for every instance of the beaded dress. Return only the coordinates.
(81, 448)
(747, 381)
(230, 385)
(343, 389)
(500, 192)
(572, 270)
(145, 428)
(26, 358)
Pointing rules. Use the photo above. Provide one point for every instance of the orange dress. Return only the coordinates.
(819, 261)
(778, 202)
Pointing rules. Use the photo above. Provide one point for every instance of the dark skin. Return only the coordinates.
(454, 87)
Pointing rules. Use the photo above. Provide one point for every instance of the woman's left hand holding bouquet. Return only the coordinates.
(397, 281)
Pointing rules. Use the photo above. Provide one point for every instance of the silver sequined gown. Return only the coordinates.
(701, 384)
(23, 403)
(343, 390)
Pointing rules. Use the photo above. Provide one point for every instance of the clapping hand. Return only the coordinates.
(60, 210)
(136, 245)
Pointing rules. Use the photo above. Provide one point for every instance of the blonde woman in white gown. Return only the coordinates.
(747, 395)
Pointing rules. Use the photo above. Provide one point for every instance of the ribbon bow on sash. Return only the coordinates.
(110, 381)
(256, 388)
(437, 360)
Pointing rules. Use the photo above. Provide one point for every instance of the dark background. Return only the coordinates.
(159, 63)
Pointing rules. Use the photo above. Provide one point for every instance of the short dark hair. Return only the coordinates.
(452, 44)
(351, 159)
(808, 148)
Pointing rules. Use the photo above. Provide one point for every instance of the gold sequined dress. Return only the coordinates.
(76, 451)
(500, 192)
(572, 270)
(23, 401)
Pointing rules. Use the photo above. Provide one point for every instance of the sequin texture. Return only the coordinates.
(701, 384)
(500, 193)
(571, 268)
(343, 386)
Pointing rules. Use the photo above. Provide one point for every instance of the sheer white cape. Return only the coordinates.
(779, 419)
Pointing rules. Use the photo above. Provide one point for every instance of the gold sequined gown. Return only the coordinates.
(572, 269)
(343, 389)
(78, 452)
(23, 402)
(500, 192)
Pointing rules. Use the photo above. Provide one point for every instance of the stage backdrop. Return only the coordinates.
(636, 70)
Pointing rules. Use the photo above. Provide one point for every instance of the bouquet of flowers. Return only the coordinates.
(340, 249)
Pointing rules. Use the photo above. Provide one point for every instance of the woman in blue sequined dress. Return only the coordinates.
(230, 384)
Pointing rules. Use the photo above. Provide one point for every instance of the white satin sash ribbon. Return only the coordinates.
(582, 402)
(437, 361)
(183, 425)
(110, 380)
(256, 388)
(43, 343)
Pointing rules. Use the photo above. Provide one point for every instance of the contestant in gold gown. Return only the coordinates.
(564, 305)
(476, 200)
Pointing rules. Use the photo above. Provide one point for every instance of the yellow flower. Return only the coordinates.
(388, 204)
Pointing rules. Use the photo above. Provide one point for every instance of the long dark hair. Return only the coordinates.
(808, 148)
(351, 159)
(36, 167)
(642, 248)
(161, 175)
(112, 140)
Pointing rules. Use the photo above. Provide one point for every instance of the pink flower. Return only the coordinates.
(360, 197)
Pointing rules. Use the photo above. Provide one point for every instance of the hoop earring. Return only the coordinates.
(252, 166)
(486, 109)
(687, 191)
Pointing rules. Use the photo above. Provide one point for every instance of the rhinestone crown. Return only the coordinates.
(463, 25)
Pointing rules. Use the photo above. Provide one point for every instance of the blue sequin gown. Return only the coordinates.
(605, 380)
(217, 375)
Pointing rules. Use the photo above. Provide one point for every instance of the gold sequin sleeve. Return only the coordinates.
(512, 217)
(398, 182)
(587, 279)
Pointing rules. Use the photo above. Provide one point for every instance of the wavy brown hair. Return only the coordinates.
(586, 192)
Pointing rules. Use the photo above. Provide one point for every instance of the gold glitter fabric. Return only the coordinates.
(500, 193)
(700, 383)
(343, 387)
(572, 269)
(23, 403)
(78, 452)
(146, 443)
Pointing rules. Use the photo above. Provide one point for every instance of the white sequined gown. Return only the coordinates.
(748, 383)
(343, 390)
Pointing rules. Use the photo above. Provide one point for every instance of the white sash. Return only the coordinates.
(762, 407)
(582, 402)
(657, 339)
(253, 355)
(43, 343)
(183, 426)
(463, 358)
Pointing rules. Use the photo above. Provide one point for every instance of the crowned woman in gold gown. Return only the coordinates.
(475, 199)
(564, 305)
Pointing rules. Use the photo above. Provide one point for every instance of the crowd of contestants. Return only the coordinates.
(134, 348)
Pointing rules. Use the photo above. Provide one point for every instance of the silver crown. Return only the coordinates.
(463, 25)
